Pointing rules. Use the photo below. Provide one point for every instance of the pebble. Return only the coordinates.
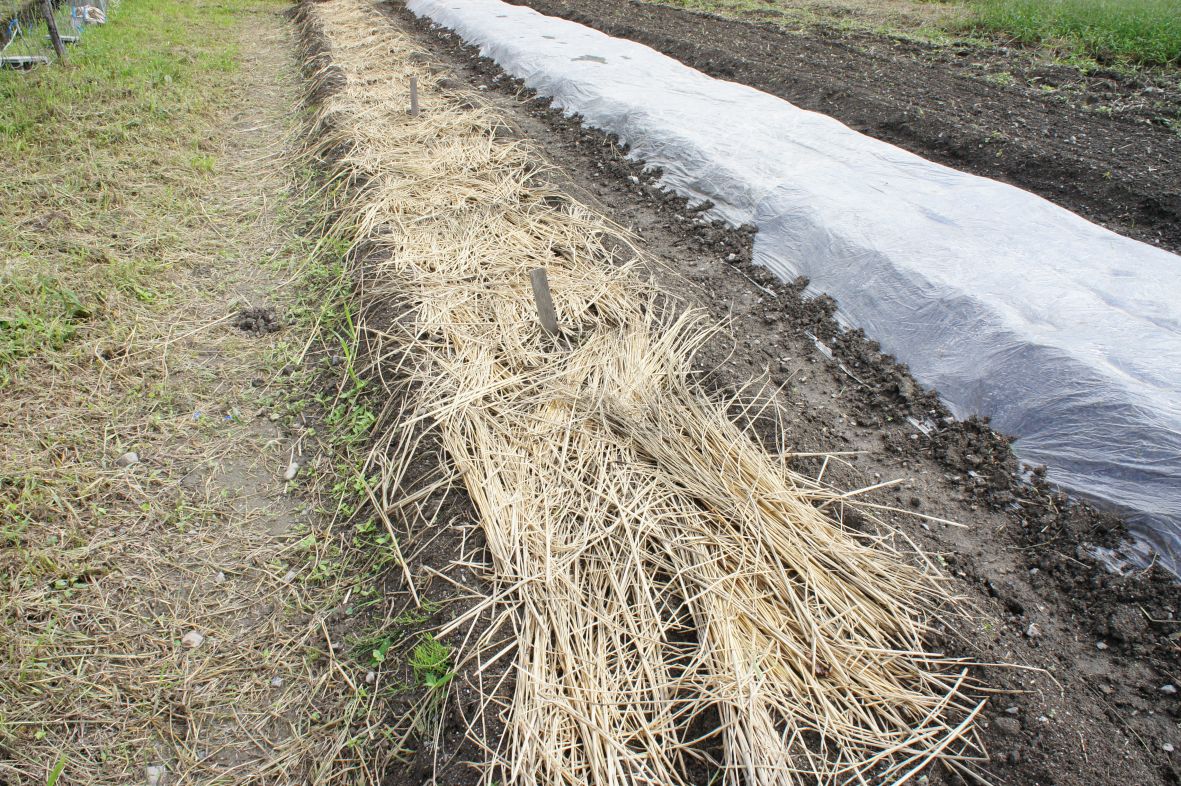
(292, 470)
(154, 773)
(193, 639)
(220, 578)
(1101, 645)
(1167, 747)
(1169, 689)
(1010, 726)
(1011, 710)
(277, 682)
(289, 577)
(1033, 631)
(127, 459)
(370, 677)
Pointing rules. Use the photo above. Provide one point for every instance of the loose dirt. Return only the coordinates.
(1087, 699)
(1099, 144)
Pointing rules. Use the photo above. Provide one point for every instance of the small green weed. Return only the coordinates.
(431, 662)
(57, 770)
(204, 164)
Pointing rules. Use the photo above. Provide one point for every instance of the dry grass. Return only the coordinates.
(673, 587)
(160, 201)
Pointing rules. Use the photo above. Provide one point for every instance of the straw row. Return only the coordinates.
(685, 606)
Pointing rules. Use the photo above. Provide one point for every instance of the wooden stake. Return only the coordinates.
(51, 23)
(545, 303)
(414, 96)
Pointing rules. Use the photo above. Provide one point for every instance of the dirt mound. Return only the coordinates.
(1101, 711)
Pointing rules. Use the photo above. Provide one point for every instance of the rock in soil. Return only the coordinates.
(1009, 726)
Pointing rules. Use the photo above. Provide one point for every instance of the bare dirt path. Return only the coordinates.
(1098, 145)
(165, 580)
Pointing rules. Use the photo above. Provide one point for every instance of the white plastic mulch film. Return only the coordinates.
(1066, 334)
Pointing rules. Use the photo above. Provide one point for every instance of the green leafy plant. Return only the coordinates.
(56, 772)
(431, 662)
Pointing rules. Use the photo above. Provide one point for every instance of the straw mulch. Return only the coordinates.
(674, 588)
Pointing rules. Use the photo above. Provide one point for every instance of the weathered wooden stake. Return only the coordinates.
(51, 23)
(414, 96)
(545, 303)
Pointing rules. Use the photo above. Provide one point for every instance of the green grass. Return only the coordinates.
(100, 163)
(431, 662)
(1138, 31)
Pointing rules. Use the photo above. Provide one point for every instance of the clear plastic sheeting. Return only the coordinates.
(1067, 335)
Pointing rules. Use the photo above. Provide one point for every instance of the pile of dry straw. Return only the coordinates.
(674, 588)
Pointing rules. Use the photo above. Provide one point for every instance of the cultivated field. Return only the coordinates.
(1129, 32)
(296, 486)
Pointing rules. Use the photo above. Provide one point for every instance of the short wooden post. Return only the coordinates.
(414, 96)
(51, 23)
(545, 302)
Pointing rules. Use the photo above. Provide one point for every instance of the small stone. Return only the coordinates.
(154, 773)
(277, 682)
(1014, 758)
(220, 578)
(1169, 689)
(370, 677)
(127, 459)
(1010, 726)
(292, 470)
(193, 639)
(1101, 645)
(1011, 710)
(1033, 631)
(1167, 747)
(289, 577)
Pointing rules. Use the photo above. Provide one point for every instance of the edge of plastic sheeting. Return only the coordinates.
(1065, 334)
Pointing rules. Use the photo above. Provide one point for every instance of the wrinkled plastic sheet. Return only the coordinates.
(1065, 334)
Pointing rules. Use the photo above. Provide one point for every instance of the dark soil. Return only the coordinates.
(258, 320)
(1087, 700)
(1098, 144)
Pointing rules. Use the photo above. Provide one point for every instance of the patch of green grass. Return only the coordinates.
(1001, 78)
(204, 164)
(1139, 31)
(99, 192)
(1111, 31)
(36, 310)
(431, 662)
